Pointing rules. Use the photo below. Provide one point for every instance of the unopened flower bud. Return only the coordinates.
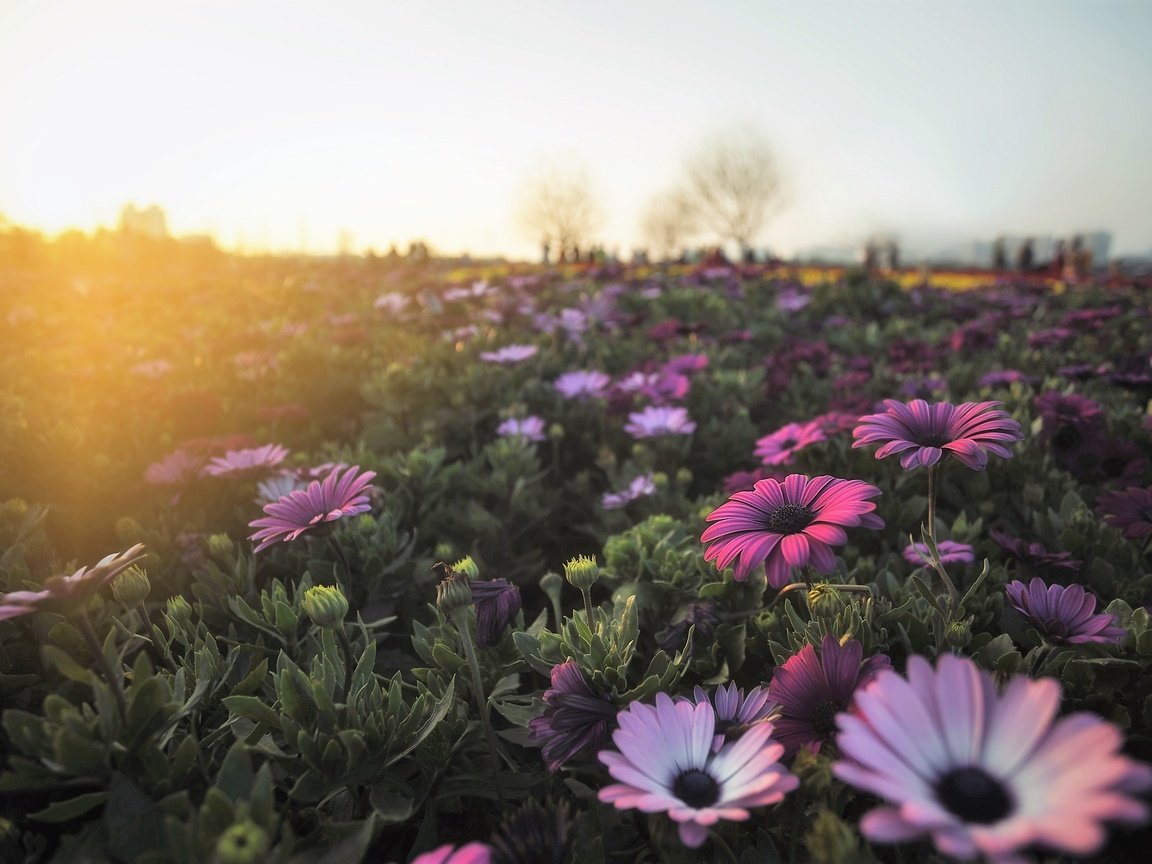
(831, 840)
(959, 634)
(179, 611)
(683, 478)
(444, 551)
(660, 479)
(453, 593)
(243, 843)
(468, 567)
(825, 601)
(221, 546)
(582, 572)
(131, 587)
(556, 432)
(326, 606)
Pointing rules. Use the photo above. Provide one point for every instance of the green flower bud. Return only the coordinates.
(1033, 495)
(660, 479)
(179, 612)
(453, 593)
(326, 606)
(221, 546)
(444, 551)
(243, 843)
(468, 567)
(959, 634)
(556, 432)
(131, 587)
(831, 840)
(825, 601)
(582, 572)
(683, 477)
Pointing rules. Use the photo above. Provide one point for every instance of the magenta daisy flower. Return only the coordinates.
(1130, 511)
(788, 524)
(472, 853)
(529, 428)
(950, 551)
(509, 354)
(665, 763)
(656, 421)
(1063, 615)
(641, 486)
(321, 502)
(176, 469)
(923, 432)
(250, 462)
(63, 591)
(576, 717)
(981, 772)
(736, 711)
(779, 447)
(581, 384)
(810, 692)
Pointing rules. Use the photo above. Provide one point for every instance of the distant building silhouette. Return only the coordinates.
(144, 222)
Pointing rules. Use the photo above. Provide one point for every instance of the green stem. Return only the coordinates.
(587, 607)
(460, 619)
(153, 632)
(343, 562)
(109, 673)
(937, 564)
(346, 650)
(729, 854)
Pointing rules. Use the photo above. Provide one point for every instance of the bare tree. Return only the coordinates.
(733, 184)
(668, 221)
(557, 207)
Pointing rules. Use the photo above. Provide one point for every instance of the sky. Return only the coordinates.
(280, 125)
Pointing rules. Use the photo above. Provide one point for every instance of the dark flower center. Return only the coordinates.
(824, 717)
(790, 519)
(1054, 627)
(696, 788)
(974, 795)
(787, 443)
(933, 439)
(1066, 438)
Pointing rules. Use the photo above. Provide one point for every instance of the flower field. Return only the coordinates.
(342, 560)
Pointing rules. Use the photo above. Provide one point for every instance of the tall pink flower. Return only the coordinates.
(923, 433)
(664, 763)
(982, 772)
(779, 447)
(810, 692)
(337, 496)
(788, 524)
(250, 462)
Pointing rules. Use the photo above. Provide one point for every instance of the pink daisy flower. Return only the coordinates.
(64, 590)
(640, 487)
(779, 447)
(529, 428)
(1130, 511)
(736, 711)
(304, 509)
(175, 469)
(665, 763)
(788, 524)
(1063, 615)
(950, 551)
(810, 692)
(249, 462)
(923, 432)
(472, 853)
(982, 772)
(575, 385)
(509, 354)
(656, 421)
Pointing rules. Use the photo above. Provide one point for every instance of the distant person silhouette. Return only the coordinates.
(1025, 256)
(999, 255)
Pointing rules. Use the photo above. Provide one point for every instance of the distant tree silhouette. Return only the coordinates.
(733, 184)
(557, 207)
(668, 221)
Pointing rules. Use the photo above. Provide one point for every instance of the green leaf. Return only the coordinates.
(235, 777)
(67, 667)
(65, 811)
(252, 708)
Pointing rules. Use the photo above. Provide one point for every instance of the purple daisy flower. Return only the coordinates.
(982, 772)
(472, 853)
(1074, 428)
(665, 763)
(1003, 378)
(1130, 511)
(581, 384)
(509, 354)
(736, 711)
(249, 462)
(950, 551)
(1063, 615)
(789, 524)
(779, 447)
(66, 590)
(923, 432)
(321, 502)
(1035, 556)
(576, 717)
(641, 486)
(656, 421)
(497, 601)
(530, 428)
(810, 692)
(175, 469)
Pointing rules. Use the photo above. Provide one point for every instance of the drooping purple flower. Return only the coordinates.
(664, 762)
(736, 711)
(509, 354)
(530, 428)
(950, 551)
(337, 496)
(66, 591)
(923, 433)
(1063, 615)
(1130, 511)
(1035, 557)
(641, 486)
(576, 717)
(982, 772)
(789, 524)
(657, 421)
(779, 447)
(582, 384)
(497, 601)
(249, 462)
(701, 614)
(1073, 426)
(809, 692)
